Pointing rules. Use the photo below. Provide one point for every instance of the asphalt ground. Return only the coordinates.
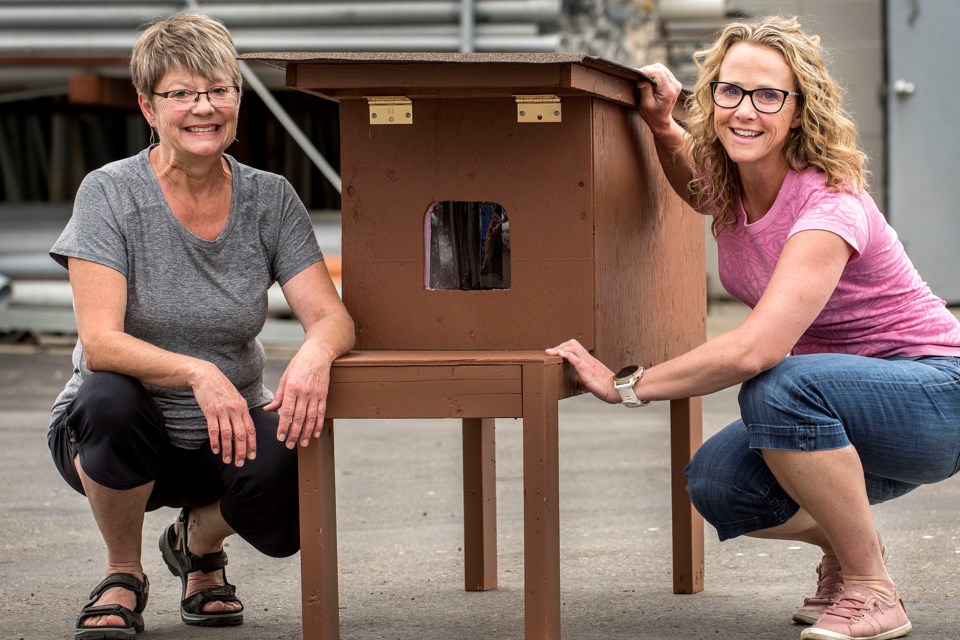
(400, 535)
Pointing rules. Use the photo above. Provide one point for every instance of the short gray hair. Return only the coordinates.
(191, 41)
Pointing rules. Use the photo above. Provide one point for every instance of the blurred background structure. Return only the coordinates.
(67, 107)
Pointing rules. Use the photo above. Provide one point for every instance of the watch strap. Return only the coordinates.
(624, 387)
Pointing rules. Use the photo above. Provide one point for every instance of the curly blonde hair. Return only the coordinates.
(826, 138)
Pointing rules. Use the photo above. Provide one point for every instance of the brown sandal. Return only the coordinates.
(176, 555)
(133, 621)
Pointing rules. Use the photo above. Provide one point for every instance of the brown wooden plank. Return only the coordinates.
(40, 60)
(318, 538)
(378, 79)
(595, 82)
(287, 59)
(92, 89)
(464, 399)
(686, 436)
(650, 273)
(426, 93)
(541, 502)
(432, 386)
(479, 504)
(473, 319)
(403, 358)
(383, 373)
(474, 151)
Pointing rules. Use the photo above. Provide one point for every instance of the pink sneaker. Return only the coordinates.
(860, 614)
(829, 586)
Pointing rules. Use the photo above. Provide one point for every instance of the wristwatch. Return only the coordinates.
(623, 382)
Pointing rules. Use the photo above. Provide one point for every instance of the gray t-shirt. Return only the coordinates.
(206, 299)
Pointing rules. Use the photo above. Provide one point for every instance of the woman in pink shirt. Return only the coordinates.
(867, 405)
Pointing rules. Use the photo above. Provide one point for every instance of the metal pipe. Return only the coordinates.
(93, 36)
(5, 291)
(280, 40)
(287, 13)
(31, 266)
(467, 31)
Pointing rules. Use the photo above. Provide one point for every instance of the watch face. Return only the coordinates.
(627, 371)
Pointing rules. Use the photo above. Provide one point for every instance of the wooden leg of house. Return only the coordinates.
(541, 502)
(686, 436)
(479, 504)
(318, 538)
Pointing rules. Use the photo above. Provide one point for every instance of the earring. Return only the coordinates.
(153, 136)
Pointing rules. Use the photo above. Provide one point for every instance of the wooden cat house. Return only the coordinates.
(494, 205)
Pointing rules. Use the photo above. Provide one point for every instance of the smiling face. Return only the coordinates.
(200, 131)
(754, 140)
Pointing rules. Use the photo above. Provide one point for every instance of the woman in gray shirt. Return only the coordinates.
(170, 255)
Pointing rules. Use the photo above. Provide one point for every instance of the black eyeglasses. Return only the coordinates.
(219, 96)
(727, 95)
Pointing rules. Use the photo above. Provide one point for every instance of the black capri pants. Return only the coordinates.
(118, 431)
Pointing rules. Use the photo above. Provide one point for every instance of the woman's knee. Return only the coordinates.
(261, 502)
(107, 399)
(117, 430)
(263, 508)
(732, 488)
(711, 474)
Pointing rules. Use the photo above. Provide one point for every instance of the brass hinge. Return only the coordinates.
(390, 110)
(545, 108)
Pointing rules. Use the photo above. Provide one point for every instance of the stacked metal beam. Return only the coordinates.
(111, 27)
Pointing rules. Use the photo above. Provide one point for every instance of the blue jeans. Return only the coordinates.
(902, 416)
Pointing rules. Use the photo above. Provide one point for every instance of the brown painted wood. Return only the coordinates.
(409, 372)
(651, 265)
(541, 502)
(93, 89)
(39, 60)
(318, 538)
(543, 382)
(686, 436)
(602, 250)
(410, 79)
(433, 358)
(428, 399)
(479, 504)
(596, 83)
(468, 150)
(496, 73)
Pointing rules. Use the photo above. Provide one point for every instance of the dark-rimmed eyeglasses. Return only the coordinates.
(219, 96)
(727, 95)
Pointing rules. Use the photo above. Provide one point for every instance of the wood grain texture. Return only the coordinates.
(686, 436)
(541, 502)
(471, 150)
(650, 258)
(93, 89)
(602, 250)
(479, 504)
(318, 538)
